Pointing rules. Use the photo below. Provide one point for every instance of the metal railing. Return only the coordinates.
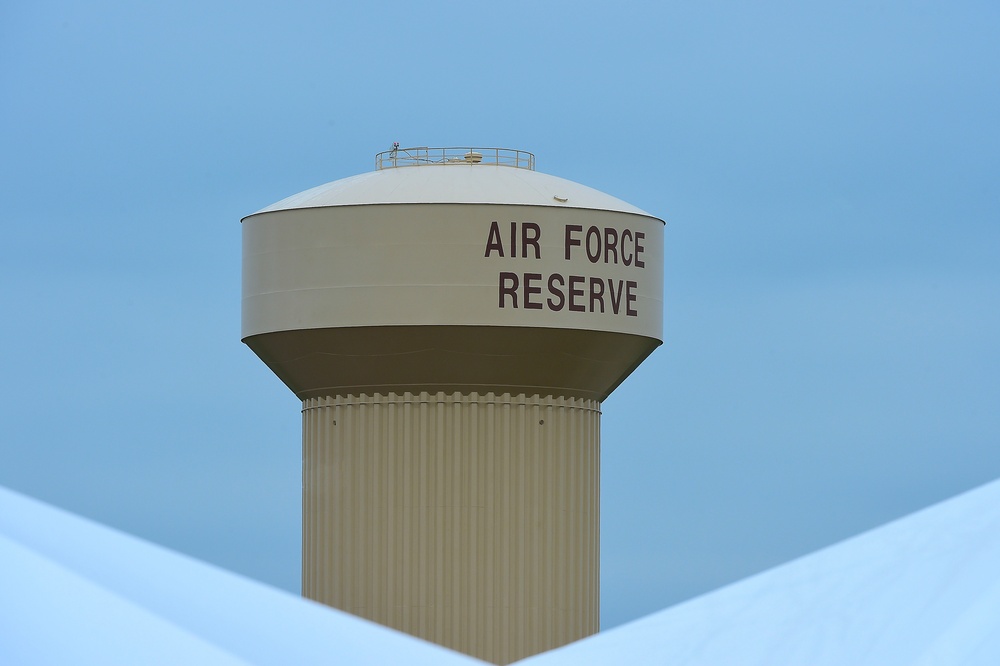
(403, 157)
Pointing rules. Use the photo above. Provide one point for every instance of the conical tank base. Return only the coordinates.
(470, 520)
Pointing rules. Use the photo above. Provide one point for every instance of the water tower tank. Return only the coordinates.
(452, 322)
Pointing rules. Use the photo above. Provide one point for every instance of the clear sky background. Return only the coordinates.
(829, 174)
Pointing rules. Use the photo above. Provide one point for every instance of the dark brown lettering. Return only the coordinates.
(493, 242)
(616, 299)
(531, 239)
(508, 287)
(639, 263)
(596, 293)
(529, 289)
(626, 260)
(630, 298)
(570, 241)
(595, 255)
(557, 292)
(610, 243)
(575, 292)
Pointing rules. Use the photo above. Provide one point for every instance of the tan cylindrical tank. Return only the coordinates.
(452, 325)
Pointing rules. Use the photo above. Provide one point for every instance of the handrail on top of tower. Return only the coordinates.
(422, 156)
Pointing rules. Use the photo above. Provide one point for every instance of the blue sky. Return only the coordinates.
(829, 174)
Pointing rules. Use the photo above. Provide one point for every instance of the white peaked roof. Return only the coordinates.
(455, 183)
(922, 590)
(74, 592)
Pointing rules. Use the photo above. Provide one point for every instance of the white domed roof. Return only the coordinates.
(455, 183)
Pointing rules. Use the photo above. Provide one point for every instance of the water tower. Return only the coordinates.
(452, 322)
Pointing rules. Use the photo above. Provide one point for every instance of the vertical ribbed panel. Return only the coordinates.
(468, 520)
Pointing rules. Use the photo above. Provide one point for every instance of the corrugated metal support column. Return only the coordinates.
(470, 520)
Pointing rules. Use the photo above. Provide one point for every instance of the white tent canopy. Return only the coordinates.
(75, 592)
(922, 590)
